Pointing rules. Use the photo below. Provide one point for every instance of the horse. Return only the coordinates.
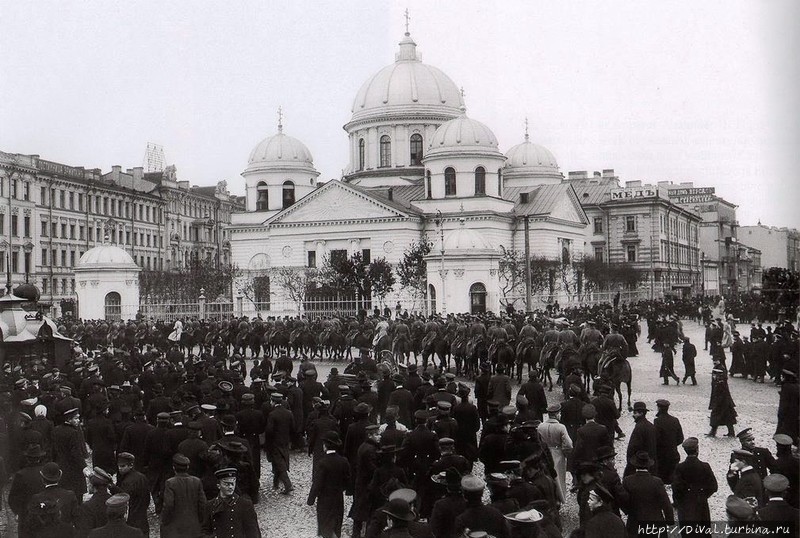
(356, 339)
(401, 348)
(617, 369)
(333, 342)
(384, 343)
(590, 356)
(504, 355)
(547, 361)
(476, 352)
(527, 353)
(303, 342)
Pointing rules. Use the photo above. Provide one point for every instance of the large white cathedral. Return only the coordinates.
(419, 167)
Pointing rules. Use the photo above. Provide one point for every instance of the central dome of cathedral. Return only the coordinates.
(408, 85)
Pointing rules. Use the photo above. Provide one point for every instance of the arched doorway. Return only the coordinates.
(432, 298)
(477, 298)
(113, 304)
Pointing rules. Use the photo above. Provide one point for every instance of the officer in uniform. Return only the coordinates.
(230, 515)
(761, 460)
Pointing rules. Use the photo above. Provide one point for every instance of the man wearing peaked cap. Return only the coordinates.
(135, 485)
(92, 513)
(762, 459)
(184, 502)
(590, 437)
(558, 442)
(477, 516)
(230, 514)
(743, 478)
(738, 510)
(777, 508)
(693, 483)
(669, 436)
(116, 507)
(251, 423)
(69, 449)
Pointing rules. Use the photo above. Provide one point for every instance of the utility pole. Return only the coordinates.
(528, 306)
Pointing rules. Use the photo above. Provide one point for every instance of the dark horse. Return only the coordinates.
(527, 353)
(590, 357)
(476, 352)
(617, 369)
(504, 355)
(547, 361)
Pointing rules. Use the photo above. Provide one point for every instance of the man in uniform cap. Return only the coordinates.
(589, 438)
(607, 412)
(693, 483)
(669, 436)
(477, 516)
(69, 451)
(776, 508)
(787, 464)
(116, 508)
(251, 423)
(761, 459)
(135, 485)
(92, 513)
(420, 450)
(193, 447)
(278, 437)
(230, 515)
(738, 510)
(555, 437)
(482, 390)
(184, 502)
(643, 437)
(743, 478)
(157, 458)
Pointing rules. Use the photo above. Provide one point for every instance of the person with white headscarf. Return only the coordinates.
(43, 425)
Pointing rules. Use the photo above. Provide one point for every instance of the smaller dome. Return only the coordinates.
(530, 155)
(463, 132)
(464, 238)
(27, 291)
(280, 149)
(106, 256)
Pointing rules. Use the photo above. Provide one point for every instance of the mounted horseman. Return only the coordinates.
(528, 347)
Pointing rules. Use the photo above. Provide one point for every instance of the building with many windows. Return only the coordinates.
(640, 225)
(52, 213)
(780, 247)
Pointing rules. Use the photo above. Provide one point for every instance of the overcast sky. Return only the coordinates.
(682, 91)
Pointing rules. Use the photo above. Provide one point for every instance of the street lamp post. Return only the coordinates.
(440, 223)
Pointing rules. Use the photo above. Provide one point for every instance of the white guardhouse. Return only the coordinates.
(419, 168)
(107, 284)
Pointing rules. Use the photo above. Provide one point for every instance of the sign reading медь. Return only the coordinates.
(635, 192)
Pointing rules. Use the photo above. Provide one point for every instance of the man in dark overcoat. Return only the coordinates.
(743, 478)
(776, 508)
(482, 390)
(420, 449)
(356, 434)
(403, 399)
(230, 515)
(789, 405)
(787, 464)
(92, 513)
(643, 437)
(69, 451)
(607, 412)
(26, 483)
(102, 439)
(251, 423)
(328, 486)
(183, 509)
(721, 405)
(135, 485)
(366, 463)
(689, 354)
(533, 391)
(466, 415)
(134, 438)
(669, 436)
(692, 485)
(65, 498)
(589, 438)
(116, 507)
(648, 500)
(278, 436)
(158, 459)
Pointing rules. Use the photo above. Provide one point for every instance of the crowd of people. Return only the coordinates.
(94, 444)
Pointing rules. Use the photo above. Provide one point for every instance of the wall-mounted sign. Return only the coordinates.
(676, 193)
(692, 198)
(633, 192)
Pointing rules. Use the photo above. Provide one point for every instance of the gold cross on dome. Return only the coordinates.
(408, 18)
(526, 127)
(280, 119)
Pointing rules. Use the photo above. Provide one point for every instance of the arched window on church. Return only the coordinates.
(415, 146)
(500, 182)
(361, 163)
(449, 181)
(288, 194)
(386, 151)
(480, 180)
(428, 188)
(262, 197)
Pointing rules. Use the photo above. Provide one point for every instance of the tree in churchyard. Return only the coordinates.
(412, 271)
(381, 279)
(544, 275)
(512, 277)
(183, 285)
(296, 282)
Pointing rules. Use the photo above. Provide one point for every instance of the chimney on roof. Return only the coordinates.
(636, 183)
(523, 197)
(390, 194)
(117, 169)
(664, 183)
(138, 173)
(608, 172)
(577, 174)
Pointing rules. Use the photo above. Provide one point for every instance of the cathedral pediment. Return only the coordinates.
(336, 202)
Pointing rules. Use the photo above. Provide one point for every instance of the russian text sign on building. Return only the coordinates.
(698, 195)
(633, 192)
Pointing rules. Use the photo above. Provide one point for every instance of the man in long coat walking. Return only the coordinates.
(669, 436)
(693, 483)
(184, 503)
(69, 451)
(327, 489)
(643, 438)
